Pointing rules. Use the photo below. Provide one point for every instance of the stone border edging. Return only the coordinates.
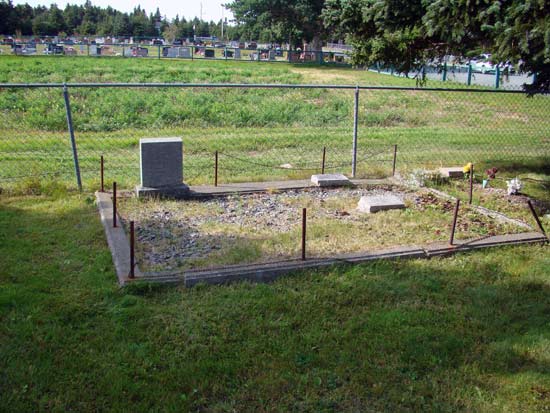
(267, 272)
(116, 238)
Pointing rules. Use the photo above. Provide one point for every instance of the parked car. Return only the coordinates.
(482, 66)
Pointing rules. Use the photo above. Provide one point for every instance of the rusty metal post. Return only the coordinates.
(216, 169)
(539, 224)
(471, 184)
(453, 228)
(132, 247)
(114, 204)
(394, 160)
(324, 157)
(102, 175)
(304, 226)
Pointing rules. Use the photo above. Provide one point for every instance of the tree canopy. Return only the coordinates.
(408, 33)
(292, 21)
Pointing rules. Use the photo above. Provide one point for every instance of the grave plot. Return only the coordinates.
(267, 227)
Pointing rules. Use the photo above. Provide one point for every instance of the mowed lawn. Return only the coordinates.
(468, 333)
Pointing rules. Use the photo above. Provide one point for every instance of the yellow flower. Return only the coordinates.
(467, 167)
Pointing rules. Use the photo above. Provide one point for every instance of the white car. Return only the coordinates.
(482, 64)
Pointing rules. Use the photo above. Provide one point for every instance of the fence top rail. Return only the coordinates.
(246, 86)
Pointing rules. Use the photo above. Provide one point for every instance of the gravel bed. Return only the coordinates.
(173, 234)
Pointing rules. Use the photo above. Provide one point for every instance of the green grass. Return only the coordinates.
(464, 334)
(264, 128)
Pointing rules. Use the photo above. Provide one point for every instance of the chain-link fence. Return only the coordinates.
(263, 132)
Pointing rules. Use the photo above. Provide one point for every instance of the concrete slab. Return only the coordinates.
(452, 172)
(443, 248)
(201, 191)
(375, 203)
(116, 238)
(324, 180)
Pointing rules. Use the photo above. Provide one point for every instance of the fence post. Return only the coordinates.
(159, 51)
(453, 227)
(102, 171)
(469, 75)
(497, 78)
(71, 135)
(354, 146)
(122, 49)
(444, 71)
(216, 169)
(132, 273)
(304, 226)
(394, 159)
(88, 49)
(471, 194)
(114, 205)
(539, 224)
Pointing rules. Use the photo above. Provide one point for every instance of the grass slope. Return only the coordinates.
(468, 333)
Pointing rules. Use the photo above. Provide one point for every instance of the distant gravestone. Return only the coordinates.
(375, 203)
(330, 180)
(453, 172)
(185, 52)
(161, 162)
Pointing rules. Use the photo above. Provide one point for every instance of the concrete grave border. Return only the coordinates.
(267, 272)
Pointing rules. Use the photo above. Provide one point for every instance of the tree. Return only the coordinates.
(388, 31)
(295, 21)
(407, 34)
(7, 17)
(514, 30)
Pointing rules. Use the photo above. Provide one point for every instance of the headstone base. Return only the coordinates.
(330, 180)
(376, 203)
(175, 192)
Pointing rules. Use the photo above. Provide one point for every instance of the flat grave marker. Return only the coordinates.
(375, 203)
(327, 180)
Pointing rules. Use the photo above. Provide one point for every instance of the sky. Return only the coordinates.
(211, 9)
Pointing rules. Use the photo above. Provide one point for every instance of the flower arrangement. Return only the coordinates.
(491, 174)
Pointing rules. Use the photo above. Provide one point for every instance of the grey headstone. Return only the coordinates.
(185, 52)
(374, 203)
(161, 162)
(453, 172)
(330, 180)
